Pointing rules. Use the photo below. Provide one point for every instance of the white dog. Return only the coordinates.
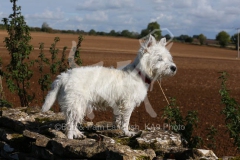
(84, 88)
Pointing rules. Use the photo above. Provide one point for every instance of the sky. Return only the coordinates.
(191, 17)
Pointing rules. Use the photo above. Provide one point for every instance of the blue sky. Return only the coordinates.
(190, 17)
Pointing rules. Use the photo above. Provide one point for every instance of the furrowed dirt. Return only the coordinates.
(195, 86)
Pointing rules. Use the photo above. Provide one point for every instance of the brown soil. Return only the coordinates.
(195, 86)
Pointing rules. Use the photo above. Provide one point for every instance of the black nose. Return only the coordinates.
(173, 68)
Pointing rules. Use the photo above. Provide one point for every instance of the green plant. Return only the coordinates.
(44, 80)
(63, 66)
(18, 72)
(231, 111)
(54, 52)
(234, 39)
(77, 58)
(212, 131)
(151, 27)
(3, 101)
(182, 125)
(223, 38)
(202, 39)
(56, 66)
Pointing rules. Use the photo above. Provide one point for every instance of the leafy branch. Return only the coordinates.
(18, 72)
(231, 111)
(173, 116)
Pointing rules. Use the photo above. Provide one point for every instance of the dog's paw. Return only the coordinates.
(78, 135)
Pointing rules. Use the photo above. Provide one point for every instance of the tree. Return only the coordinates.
(151, 27)
(134, 34)
(195, 36)
(125, 33)
(46, 27)
(167, 36)
(235, 40)
(223, 38)
(92, 32)
(185, 38)
(189, 39)
(202, 39)
(101, 33)
(18, 72)
(112, 33)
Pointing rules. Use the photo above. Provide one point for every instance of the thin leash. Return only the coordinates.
(159, 83)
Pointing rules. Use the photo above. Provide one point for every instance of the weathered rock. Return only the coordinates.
(41, 140)
(199, 154)
(12, 124)
(43, 153)
(101, 138)
(150, 152)
(56, 134)
(87, 125)
(7, 134)
(104, 125)
(18, 120)
(29, 134)
(123, 152)
(87, 148)
(5, 147)
(12, 156)
(159, 139)
(111, 132)
(7, 152)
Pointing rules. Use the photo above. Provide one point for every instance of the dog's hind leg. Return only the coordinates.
(72, 128)
(76, 133)
(74, 113)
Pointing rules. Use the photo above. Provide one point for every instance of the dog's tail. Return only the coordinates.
(52, 95)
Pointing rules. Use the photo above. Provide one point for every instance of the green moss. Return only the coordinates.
(42, 120)
(128, 141)
(143, 158)
(15, 135)
(123, 141)
(17, 140)
(235, 158)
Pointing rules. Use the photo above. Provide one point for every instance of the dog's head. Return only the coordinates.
(155, 59)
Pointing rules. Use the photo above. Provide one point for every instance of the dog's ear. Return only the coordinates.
(163, 42)
(147, 42)
(151, 41)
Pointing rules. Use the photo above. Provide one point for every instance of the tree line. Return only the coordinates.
(222, 38)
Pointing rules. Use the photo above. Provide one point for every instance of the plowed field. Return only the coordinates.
(195, 86)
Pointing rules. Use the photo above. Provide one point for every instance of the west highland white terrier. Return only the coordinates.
(82, 89)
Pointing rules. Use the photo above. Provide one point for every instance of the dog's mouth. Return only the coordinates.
(169, 72)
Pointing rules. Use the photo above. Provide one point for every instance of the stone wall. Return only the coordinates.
(26, 133)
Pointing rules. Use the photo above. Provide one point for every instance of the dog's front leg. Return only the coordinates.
(117, 118)
(125, 122)
(117, 121)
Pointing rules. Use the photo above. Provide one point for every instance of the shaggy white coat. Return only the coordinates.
(87, 88)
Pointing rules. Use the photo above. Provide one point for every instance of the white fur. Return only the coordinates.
(84, 88)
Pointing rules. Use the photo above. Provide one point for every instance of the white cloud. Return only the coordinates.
(98, 16)
(181, 17)
(92, 5)
(47, 14)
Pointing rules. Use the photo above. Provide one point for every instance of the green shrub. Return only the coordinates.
(18, 72)
(231, 111)
(182, 125)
